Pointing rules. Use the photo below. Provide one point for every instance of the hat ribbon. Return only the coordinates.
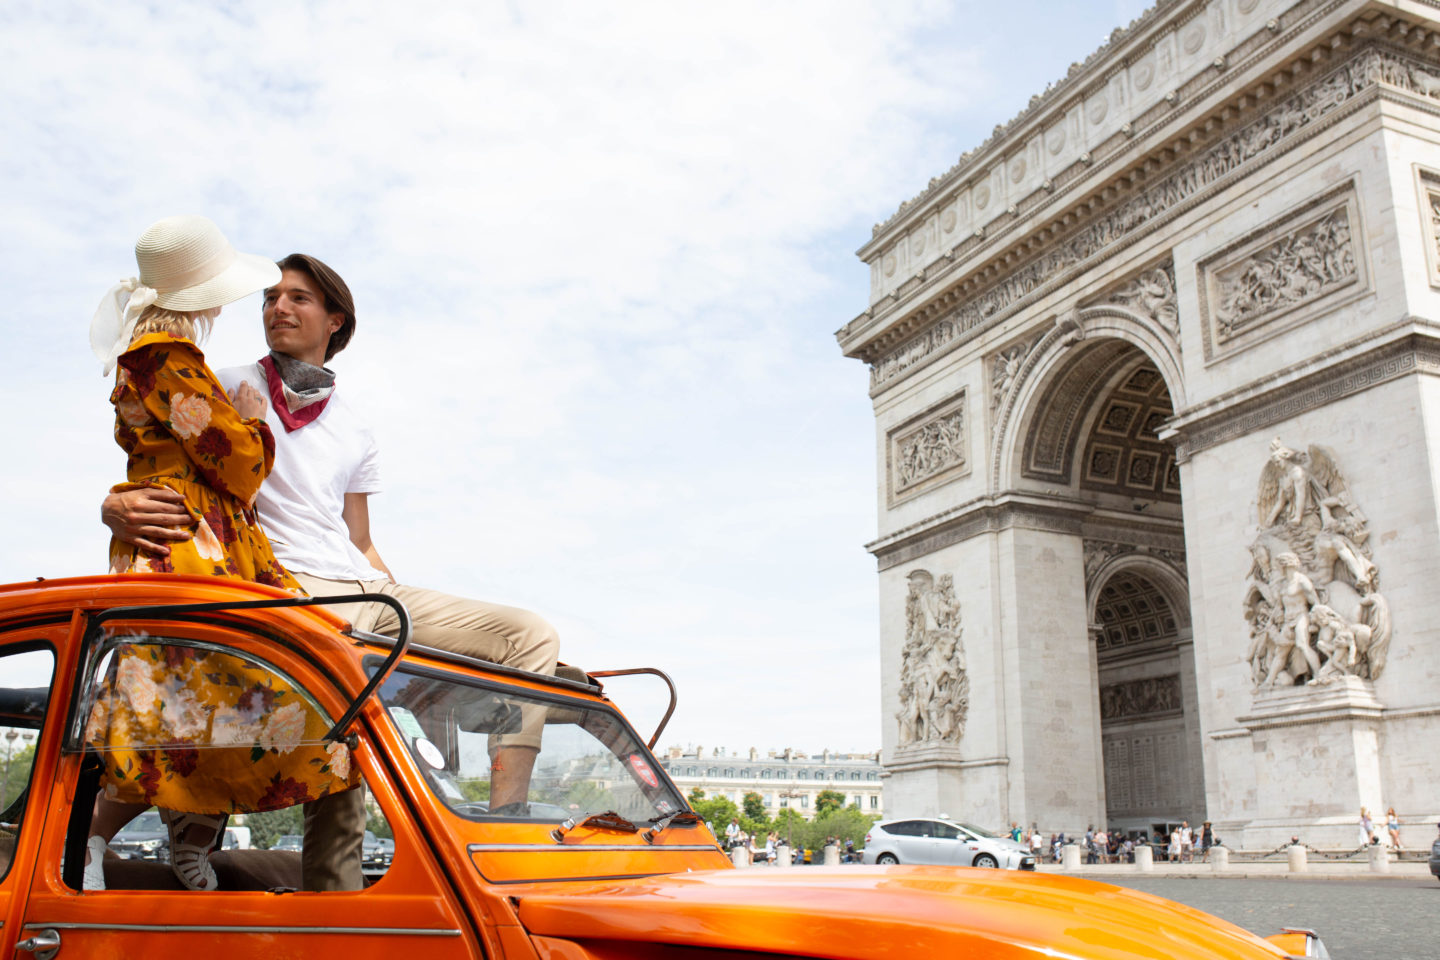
(113, 326)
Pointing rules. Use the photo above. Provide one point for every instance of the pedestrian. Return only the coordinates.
(1036, 842)
(1207, 840)
(1173, 853)
(1392, 824)
(1367, 828)
(1187, 842)
(732, 834)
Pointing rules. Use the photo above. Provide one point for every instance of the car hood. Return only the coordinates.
(886, 912)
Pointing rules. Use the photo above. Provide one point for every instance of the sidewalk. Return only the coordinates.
(1251, 870)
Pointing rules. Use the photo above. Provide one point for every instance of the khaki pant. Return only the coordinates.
(335, 825)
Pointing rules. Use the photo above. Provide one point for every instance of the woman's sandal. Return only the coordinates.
(191, 861)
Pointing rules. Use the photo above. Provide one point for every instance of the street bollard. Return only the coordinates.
(1219, 859)
(1298, 861)
(832, 855)
(740, 856)
(782, 856)
(1379, 858)
(1070, 857)
(1144, 858)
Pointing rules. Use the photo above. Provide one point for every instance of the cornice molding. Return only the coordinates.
(1416, 351)
(980, 517)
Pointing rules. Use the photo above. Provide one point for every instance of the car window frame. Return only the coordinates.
(30, 811)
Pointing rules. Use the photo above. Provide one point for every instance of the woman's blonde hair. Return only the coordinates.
(194, 326)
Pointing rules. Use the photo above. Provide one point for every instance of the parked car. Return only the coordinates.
(144, 838)
(1435, 858)
(632, 872)
(376, 855)
(936, 841)
(289, 841)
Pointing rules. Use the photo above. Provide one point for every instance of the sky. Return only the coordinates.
(599, 253)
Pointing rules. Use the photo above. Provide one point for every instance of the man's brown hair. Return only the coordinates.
(337, 296)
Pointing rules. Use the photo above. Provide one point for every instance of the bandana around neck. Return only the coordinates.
(299, 391)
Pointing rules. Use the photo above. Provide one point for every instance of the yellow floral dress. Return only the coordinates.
(186, 729)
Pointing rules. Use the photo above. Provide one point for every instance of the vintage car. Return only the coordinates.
(630, 872)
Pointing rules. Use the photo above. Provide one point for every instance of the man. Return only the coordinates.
(314, 508)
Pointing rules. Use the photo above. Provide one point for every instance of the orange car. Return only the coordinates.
(605, 860)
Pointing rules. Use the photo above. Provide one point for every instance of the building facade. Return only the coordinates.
(1153, 372)
(787, 779)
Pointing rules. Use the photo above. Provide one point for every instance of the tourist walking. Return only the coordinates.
(1392, 824)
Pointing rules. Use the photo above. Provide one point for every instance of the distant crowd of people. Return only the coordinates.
(1114, 846)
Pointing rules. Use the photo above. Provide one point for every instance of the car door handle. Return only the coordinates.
(44, 945)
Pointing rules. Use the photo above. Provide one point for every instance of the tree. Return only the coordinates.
(828, 800)
(696, 795)
(16, 774)
(718, 811)
(754, 806)
(271, 825)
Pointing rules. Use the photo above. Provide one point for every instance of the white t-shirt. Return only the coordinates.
(301, 503)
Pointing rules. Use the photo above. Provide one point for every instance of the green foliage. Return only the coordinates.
(16, 774)
(717, 811)
(267, 827)
(754, 806)
(696, 795)
(827, 801)
(376, 823)
(477, 789)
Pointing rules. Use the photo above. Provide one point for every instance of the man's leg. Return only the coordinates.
(334, 839)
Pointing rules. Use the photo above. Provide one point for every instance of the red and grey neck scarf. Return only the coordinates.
(298, 390)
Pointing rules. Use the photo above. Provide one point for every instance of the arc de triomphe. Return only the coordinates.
(1158, 423)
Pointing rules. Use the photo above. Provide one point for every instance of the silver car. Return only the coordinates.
(937, 841)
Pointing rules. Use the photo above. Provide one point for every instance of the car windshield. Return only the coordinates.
(978, 832)
(588, 759)
(147, 822)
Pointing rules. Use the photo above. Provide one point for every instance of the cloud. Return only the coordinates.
(598, 251)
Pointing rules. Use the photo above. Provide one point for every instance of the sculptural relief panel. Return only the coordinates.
(934, 697)
(1284, 274)
(1427, 187)
(929, 450)
(1312, 601)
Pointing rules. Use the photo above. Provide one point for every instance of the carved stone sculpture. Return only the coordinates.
(1005, 371)
(1152, 294)
(1313, 600)
(934, 686)
(937, 446)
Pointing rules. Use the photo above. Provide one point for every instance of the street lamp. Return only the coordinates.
(790, 821)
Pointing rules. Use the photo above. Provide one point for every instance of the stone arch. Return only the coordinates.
(1052, 355)
(1168, 579)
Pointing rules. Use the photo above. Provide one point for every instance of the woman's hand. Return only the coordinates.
(146, 517)
(248, 401)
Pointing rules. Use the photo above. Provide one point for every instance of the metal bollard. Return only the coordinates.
(1144, 858)
(1299, 861)
(832, 855)
(740, 856)
(1219, 859)
(782, 856)
(1070, 857)
(1379, 858)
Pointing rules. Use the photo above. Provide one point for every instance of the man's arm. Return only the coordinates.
(146, 517)
(357, 520)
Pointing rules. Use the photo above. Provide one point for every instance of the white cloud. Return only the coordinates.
(594, 248)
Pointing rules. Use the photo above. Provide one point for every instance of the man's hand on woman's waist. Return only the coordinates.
(147, 517)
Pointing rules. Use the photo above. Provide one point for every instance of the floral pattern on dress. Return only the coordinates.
(210, 732)
(192, 730)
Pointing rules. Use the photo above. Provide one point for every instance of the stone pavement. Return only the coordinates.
(1315, 869)
(1362, 917)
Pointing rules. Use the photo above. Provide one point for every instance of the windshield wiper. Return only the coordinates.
(609, 820)
(685, 818)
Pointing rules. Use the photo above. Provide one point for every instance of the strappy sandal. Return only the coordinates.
(191, 861)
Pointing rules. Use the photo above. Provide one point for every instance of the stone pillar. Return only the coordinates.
(1379, 858)
(1298, 859)
(1070, 857)
(740, 856)
(1144, 858)
(1219, 859)
(1194, 743)
(782, 856)
(832, 855)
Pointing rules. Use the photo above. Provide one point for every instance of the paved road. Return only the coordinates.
(1383, 919)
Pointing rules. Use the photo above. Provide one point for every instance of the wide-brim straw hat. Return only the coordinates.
(191, 266)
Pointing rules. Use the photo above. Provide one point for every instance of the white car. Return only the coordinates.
(938, 841)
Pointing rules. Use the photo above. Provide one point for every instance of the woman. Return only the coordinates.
(1207, 840)
(1392, 824)
(180, 431)
(1367, 828)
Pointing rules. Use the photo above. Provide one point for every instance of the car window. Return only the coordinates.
(977, 831)
(583, 759)
(904, 828)
(25, 678)
(945, 831)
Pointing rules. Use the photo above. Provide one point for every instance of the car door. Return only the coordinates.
(28, 738)
(951, 844)
(411, 909)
